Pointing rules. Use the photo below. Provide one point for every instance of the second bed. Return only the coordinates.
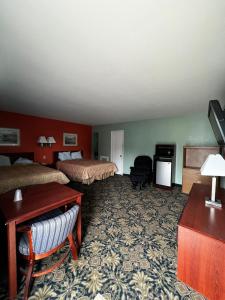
(86, 171)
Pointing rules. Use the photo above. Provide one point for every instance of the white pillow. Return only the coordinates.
(4, 160)
(76, 155)
(64, 156)
(23, 161)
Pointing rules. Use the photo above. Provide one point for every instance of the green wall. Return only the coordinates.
(142, 136)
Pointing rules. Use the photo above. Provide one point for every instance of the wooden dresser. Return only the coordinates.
(193, 158)
(201, 244)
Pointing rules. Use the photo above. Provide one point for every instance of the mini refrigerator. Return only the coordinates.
(163, 173)
(164, 165)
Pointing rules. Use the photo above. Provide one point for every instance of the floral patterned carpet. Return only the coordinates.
(128, 250)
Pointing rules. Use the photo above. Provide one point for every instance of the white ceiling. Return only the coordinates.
(99, 62)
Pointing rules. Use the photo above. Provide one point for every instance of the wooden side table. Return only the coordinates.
(52, 165)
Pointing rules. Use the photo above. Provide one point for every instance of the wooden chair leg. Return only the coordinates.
(73, 247)
(28, 279)
(79, 228)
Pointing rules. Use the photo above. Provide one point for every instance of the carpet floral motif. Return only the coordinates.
(129, 248)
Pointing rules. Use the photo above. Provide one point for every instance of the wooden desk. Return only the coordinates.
(37, 200)
(201, 244)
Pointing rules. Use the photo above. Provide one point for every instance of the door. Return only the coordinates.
(117, 140)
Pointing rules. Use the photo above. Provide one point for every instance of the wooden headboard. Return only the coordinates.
(55, 154)
(14, 156)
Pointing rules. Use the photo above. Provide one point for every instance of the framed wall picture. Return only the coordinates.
(69, 139)
(9, 137)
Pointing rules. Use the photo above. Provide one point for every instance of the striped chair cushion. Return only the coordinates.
(49, 231)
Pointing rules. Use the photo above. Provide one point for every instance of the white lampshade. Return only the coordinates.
(213, 166)
(51, 140)
(42, 140)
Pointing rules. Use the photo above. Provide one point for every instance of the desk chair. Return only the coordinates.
(46, 235)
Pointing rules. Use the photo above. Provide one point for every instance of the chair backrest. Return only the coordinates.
(50, 233)
(143, 161)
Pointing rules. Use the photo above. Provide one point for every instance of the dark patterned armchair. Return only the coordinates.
(141, 172)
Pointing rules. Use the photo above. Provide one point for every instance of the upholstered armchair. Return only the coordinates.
(141, 172)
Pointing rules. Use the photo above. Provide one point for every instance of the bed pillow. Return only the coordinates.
(23, 161)
(4, 160)
(64, 156)
(76, 155)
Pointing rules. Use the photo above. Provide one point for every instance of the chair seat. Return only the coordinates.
(140, 172)
(46, 237)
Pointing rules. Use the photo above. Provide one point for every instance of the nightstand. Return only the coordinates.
(47, 165)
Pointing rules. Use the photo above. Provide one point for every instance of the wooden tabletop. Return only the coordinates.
(37, 199)
(203, 219)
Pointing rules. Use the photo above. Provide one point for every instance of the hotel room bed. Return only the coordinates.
(86, 171)
(15, 176)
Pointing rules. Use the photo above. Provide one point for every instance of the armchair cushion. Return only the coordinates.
(141, 170)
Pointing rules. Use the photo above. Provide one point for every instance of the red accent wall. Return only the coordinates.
(32, 127)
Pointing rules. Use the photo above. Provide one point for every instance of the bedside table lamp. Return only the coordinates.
(42, 140)
(51, 140)
(213, 166)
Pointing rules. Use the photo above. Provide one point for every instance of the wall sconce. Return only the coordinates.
(43, 141)
(50, 141)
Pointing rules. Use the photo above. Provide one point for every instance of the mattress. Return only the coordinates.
(16, 176)
(86, 171)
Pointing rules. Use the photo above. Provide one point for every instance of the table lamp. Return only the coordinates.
(213, 166)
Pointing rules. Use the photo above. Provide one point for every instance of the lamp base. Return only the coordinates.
(216, 204)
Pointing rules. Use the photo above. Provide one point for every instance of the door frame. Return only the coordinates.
(122, 130)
